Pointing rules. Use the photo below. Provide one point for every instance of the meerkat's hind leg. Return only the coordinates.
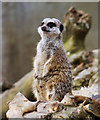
(51, 94)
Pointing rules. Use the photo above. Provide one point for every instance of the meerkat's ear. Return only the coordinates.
(61, 27)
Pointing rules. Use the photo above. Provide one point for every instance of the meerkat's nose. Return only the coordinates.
(43, 28)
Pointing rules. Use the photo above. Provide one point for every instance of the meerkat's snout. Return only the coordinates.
(44, 29)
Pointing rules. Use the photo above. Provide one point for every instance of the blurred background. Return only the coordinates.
(20, 36)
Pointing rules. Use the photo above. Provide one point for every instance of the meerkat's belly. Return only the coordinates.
(56, 83)
(53, 76)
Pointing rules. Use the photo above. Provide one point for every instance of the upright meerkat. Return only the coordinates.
(52, 71)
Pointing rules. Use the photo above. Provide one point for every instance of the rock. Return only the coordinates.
(19, 105)
(85, 68)
(75, 106)
(23, 86)
(48, 107)
(67, 100)
(35, 115)
(92, 91)
(92, 109)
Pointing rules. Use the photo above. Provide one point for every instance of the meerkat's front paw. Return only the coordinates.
(35, 76)
(46, 67)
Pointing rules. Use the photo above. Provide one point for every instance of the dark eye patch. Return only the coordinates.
(51, 24)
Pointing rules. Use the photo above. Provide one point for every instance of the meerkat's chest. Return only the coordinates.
(44, 51)
(41, 58)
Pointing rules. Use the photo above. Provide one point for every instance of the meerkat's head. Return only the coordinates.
(50, 27)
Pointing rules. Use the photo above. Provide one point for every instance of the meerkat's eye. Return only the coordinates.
(41, 23)
(51, 24)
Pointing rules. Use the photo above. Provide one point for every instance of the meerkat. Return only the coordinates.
(52, 70)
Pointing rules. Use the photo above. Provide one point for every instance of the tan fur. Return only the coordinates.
(52, 71)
